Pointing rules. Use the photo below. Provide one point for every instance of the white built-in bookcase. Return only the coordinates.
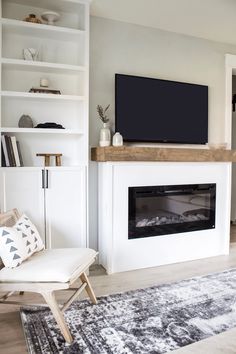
(64, 60)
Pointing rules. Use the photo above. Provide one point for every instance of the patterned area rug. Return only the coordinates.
(154, 320)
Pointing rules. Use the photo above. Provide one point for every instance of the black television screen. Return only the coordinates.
(154, 110)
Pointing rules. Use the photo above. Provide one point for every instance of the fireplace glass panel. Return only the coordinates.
(160, 210)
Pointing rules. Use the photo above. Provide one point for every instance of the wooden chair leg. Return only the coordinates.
(51, 301)
(88, 288)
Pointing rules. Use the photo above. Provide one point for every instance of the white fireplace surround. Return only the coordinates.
(118, 253)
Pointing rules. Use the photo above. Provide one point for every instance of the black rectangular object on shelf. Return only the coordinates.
(154, 110)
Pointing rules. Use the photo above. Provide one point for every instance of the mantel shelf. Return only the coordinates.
(128, 153)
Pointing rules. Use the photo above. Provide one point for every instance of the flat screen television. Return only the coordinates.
(154, 110)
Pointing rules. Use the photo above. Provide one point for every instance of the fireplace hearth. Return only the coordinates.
(171, 209)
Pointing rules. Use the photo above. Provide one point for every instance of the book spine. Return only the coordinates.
(10, 151)
(20, 155)
(15, 151)
(5, 151)
(3, 160)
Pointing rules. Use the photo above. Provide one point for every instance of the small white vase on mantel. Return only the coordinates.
(105, 135)
(117, 139)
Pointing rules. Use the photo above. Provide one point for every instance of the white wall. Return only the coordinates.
(118, 47)
(233, 198)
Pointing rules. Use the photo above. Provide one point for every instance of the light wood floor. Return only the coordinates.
(11, 334)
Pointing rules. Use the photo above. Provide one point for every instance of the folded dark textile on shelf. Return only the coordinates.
(50, 126)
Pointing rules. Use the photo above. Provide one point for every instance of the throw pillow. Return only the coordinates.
(8, 218)
(19, 242)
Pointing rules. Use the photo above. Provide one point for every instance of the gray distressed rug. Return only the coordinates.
(153, 320)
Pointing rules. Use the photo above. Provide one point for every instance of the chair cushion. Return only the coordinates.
(54, 265)
(19, 242)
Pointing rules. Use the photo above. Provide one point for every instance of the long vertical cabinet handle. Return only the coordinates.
(46, 179)
(47, 218)
(44, 207)
(43, 179)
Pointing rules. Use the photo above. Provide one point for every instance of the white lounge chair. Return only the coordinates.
(46, 272)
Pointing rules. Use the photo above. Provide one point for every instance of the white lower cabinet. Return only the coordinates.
(66, 208)
(54, 199)
(22, 189)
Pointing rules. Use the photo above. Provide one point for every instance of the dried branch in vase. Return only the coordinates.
(102, 113)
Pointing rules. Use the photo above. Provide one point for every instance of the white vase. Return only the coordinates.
(117, 139)
(105, 135)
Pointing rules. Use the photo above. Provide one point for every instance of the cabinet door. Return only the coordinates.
(66, 207)
(22, 189)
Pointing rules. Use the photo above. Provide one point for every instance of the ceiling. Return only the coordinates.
(209, 19)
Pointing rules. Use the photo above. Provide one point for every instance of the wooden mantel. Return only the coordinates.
(130, 153)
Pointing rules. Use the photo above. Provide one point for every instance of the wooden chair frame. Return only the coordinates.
(47, 290)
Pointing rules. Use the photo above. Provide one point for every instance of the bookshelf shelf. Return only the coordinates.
(56, 5)
(41, 131)
(27, 65)
(53, 32)
(41, 96)
(39, 168)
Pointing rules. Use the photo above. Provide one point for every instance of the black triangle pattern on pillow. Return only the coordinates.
(31, 241)
(12, 249)
(16, 256)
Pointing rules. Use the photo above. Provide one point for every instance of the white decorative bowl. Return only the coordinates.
(50, 17)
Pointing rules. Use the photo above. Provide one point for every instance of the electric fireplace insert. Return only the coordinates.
(171, 209)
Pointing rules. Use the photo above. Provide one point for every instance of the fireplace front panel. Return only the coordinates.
(162, 210)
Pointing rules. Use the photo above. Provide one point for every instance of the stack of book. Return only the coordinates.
(11, 153)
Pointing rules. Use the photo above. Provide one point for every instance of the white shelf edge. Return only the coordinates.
(15, 94)
(40, 131)
(31, 168)
(38, 26)
(41, 65)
